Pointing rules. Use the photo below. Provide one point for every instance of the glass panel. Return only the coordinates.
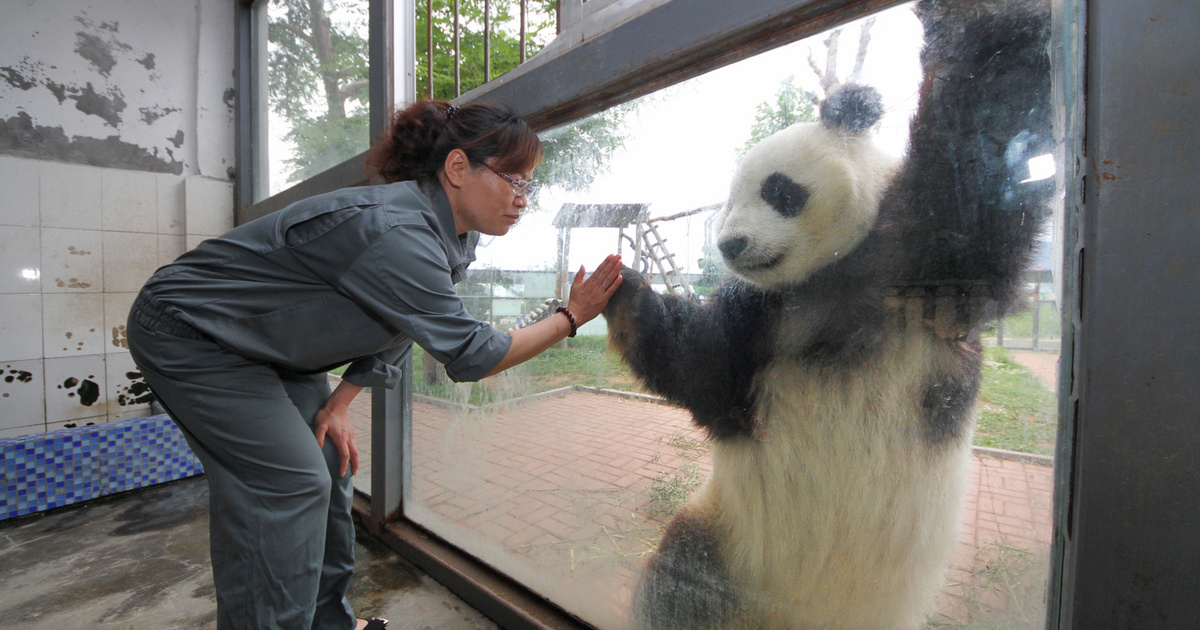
(837, 483)
(504, 41)
(318, 90)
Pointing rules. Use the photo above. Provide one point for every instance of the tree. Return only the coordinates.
(504, 44)
(795, 104)
(577, 153)
(792, 105)
(318, 81)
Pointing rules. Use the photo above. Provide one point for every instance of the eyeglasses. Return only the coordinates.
(521, 188)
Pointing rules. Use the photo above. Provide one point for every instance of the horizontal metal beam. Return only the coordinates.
(665, 45)
(352, 172)
(510, 604)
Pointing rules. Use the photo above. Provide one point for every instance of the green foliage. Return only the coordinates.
(577, 153)
(790, 107)
(324, 142)
(1020, 325)
(505, 45)
(318, 81)
(585, 361)
(712, 265)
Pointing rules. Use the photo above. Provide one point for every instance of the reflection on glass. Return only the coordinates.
(318, 87)
(822, 299)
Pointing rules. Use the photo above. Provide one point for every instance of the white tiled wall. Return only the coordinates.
(76, 244)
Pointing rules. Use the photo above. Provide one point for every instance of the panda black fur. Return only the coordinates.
(837, 372)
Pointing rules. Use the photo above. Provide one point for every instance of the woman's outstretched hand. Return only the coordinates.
(590, 296)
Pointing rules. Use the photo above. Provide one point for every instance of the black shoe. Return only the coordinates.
(375, 623)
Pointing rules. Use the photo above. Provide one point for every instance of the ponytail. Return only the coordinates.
(419, 138)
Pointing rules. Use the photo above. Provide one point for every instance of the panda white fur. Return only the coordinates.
(837, 371)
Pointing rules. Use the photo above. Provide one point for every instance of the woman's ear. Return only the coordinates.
(455, 168)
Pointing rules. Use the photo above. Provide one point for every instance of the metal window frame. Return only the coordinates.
(1125, 500)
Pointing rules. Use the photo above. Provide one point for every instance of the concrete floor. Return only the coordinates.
(140, 560)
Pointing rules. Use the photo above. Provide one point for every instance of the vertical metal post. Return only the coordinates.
(243, 122)
(487, 41)
(259, 104)
(457, 56)
(429, 43)
(563, 279)
(523, 14)
(380, 60)
(404, 53)
(391, 421)
(1128, 522)
(1037, 310)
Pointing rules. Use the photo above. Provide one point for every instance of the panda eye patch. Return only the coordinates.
(786, 196)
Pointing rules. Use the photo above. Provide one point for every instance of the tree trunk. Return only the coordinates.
(435, 374)
(322, 42)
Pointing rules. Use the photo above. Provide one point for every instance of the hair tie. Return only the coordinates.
(450, 111)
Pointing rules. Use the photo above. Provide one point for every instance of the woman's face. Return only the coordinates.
(481, 199)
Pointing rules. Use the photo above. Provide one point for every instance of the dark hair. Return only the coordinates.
(419, 138)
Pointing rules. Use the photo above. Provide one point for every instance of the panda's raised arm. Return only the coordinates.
(702, 357)
(968, 202)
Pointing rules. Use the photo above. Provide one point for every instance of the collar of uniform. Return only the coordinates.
(460, 250)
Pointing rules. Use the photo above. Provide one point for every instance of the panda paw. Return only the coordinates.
(624, 308)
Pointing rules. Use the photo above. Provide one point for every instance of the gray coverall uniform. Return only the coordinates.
(235, 337)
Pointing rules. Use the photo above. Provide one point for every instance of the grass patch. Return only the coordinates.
(585, 361)
(1016, 412)
(1005, 591)
(1020, 325)
(669, 492)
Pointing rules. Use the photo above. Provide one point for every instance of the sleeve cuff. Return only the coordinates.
(371, 372)
(484, 354)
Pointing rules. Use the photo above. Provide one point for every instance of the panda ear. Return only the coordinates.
(852, 108)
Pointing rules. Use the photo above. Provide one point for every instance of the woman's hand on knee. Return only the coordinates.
(335, 424)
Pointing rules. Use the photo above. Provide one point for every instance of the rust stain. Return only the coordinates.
(1106, 172)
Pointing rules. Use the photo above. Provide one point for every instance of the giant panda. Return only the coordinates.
(836, 372)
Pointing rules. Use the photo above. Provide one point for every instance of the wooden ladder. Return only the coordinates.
(655, 248)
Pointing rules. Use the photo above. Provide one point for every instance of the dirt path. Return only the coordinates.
(1044, 365)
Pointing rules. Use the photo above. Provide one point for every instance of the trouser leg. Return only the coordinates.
(333, 611)
(270, 485)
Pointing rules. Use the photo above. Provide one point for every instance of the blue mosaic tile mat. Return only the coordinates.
(50, 470)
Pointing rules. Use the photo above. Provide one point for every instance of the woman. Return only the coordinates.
(235, 338)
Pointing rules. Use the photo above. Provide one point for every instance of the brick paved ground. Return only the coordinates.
(568, 492)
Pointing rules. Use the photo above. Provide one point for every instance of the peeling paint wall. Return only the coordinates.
(129, 85)
(116, 154)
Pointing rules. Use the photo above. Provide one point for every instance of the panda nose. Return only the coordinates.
(731, 247)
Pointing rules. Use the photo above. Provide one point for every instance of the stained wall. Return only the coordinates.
(116, 156)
